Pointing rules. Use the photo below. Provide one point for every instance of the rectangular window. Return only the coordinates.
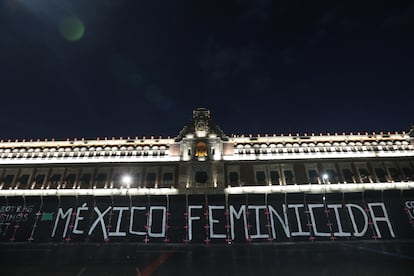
(150, 180)
(136, 180)
(332, 176)
(54, 180)
(364, 175)
(70, 180)
(381, 175)
(395, 174)
(167, 179)
(85, 180)
(116, 178)
(8, 181)
(38, 180)
(348, 175)
(313, 176)
(274, 177)
(408, 173)
(201, 177)
(289, 177)
(101, 180)
(260, 177)
(234, 178)
(23, 181)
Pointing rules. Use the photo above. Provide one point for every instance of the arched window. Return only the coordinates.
(201, 149)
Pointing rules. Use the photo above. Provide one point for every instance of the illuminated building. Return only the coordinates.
(203, 160)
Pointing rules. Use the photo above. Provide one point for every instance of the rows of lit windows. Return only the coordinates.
(322, 147)
(322, 173)
(261, 174)
(153, 177)
(83, 152)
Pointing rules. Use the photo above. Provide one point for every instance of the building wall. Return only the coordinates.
(185, 174)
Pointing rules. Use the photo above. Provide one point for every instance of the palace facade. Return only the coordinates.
(203, 186)
(202, 158)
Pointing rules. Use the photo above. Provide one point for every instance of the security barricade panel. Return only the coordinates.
(208, 218)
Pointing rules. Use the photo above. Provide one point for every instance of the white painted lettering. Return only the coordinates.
(79, 218)
(238, 215)
(163, 222)
(300, 232)
(357, 233)
(340, 232)
(62, 216)
(312, 217)
(212, 221)
(190, 220)
(257, 209)
(131, 221)
(284, 222)
(101, 220)
(376, 219)
(117, 232)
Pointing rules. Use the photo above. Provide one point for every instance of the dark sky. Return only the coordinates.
(141, 67)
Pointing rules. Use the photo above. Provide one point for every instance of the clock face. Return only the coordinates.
(201, 126)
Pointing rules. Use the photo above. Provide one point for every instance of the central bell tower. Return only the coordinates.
(202, 139)
(201, 120)
(201, 147)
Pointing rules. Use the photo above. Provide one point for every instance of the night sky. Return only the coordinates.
(138, 68)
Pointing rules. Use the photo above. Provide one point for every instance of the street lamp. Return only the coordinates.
(126, 180)
(325, 178)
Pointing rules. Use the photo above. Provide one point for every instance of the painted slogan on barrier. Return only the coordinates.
(207, 218)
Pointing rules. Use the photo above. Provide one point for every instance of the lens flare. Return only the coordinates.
(71, 28)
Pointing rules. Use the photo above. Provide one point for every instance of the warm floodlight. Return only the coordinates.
(126, 180)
